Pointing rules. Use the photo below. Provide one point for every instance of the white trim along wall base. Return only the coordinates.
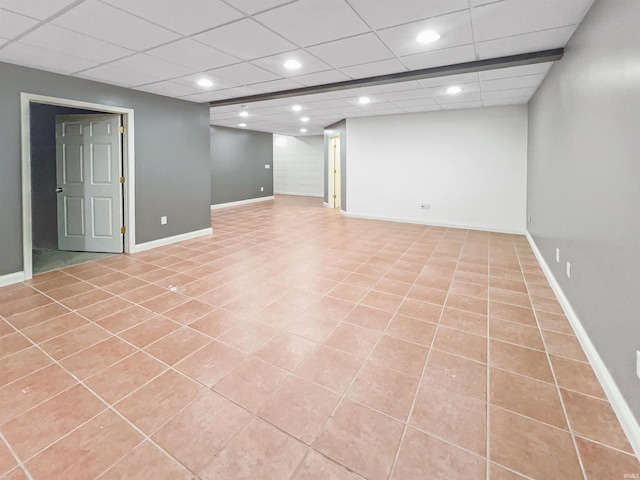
(623, 412)
(241, 202)
(161, 242)
(11, 278)
(484, 228)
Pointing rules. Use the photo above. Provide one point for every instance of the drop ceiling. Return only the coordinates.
(166, 46)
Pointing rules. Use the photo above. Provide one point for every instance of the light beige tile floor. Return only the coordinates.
(295, 343)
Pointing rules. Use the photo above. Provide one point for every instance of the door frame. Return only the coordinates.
(332, 176)
(128, 168)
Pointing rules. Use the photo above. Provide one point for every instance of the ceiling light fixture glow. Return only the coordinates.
(364, 100)
(244, 114)
(205, 82)
(292, 64)
(454, 90)
(428, 36)
(296, 108)
(242, 124)
(304, 119)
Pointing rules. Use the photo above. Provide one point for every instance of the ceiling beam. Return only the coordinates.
(446, 70)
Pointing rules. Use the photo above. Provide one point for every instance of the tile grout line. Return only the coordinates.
(16, 458)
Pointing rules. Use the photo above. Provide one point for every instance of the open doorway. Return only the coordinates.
(334, 172)
(78, 186)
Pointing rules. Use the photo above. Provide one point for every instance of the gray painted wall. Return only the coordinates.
(339, 128)
(172, 156)
(44, 210)
(583, 181)
(238, 157)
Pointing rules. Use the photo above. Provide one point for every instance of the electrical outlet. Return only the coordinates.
(557, 255)
(568, 270)
(425, 206)
(262, 189)
(163, 220)
(267, 166)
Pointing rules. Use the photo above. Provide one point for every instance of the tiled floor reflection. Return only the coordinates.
(295, 343)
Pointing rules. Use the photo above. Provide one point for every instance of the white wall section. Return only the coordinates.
(469, 166)
(298, 164)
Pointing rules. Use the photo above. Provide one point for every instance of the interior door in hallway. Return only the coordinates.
(89, 170)
(335, 153)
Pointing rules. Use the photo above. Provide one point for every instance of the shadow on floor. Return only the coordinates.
(45, 260)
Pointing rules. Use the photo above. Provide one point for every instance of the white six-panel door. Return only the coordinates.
(89, 167)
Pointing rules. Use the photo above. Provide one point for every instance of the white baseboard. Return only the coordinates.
(300, 194)
(11, 278)
(161, 242)
(484, 228)
(325, 204)
(241, 202)
(623, 412)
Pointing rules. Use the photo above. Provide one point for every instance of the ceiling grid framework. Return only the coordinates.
(165, 47)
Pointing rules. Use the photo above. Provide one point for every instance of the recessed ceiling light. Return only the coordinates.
(454, 90)
(292, 64)
(428, 36)
(242, 124)
(364, 100)
(303, 130)
(244, 113)
(296, 108)
(304, 119)
(205, 82)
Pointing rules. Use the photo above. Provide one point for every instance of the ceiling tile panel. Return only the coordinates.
(384, 13)
(397, 87)
(406, 95)
(415, 102)
(320, 78)
(461, 105)
(276, 85)
(254, 6)
(530, 42)
(36, 57)
(111, 73)
(275, 63)
(169, 89)
(76, 44)
(454, 30)
(245, 39)
(511, 93)
(500, 102)
(13, 24)
(112, 25)
(526, 81)
(462, 98)
(535, 69)
(374, 69)
(31, 8)
(157, 67)
(243, 74)
(352, 51)
(310, 22)
(467, 88)
(192, 54)
(438, 58)
(516, 17)
(185, 18)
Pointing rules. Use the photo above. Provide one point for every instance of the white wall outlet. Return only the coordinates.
(163, 220)
(557, 255)
(262, 189)
(638, 363)
(267, 166)
(425, 206)
(568, 270)
(529, 218)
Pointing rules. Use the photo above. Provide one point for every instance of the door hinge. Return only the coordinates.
(334, 196)
(123, 230)
(335, 171)
(121, 179)
(121, 129)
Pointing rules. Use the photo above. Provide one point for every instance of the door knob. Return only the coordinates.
(59, 190)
